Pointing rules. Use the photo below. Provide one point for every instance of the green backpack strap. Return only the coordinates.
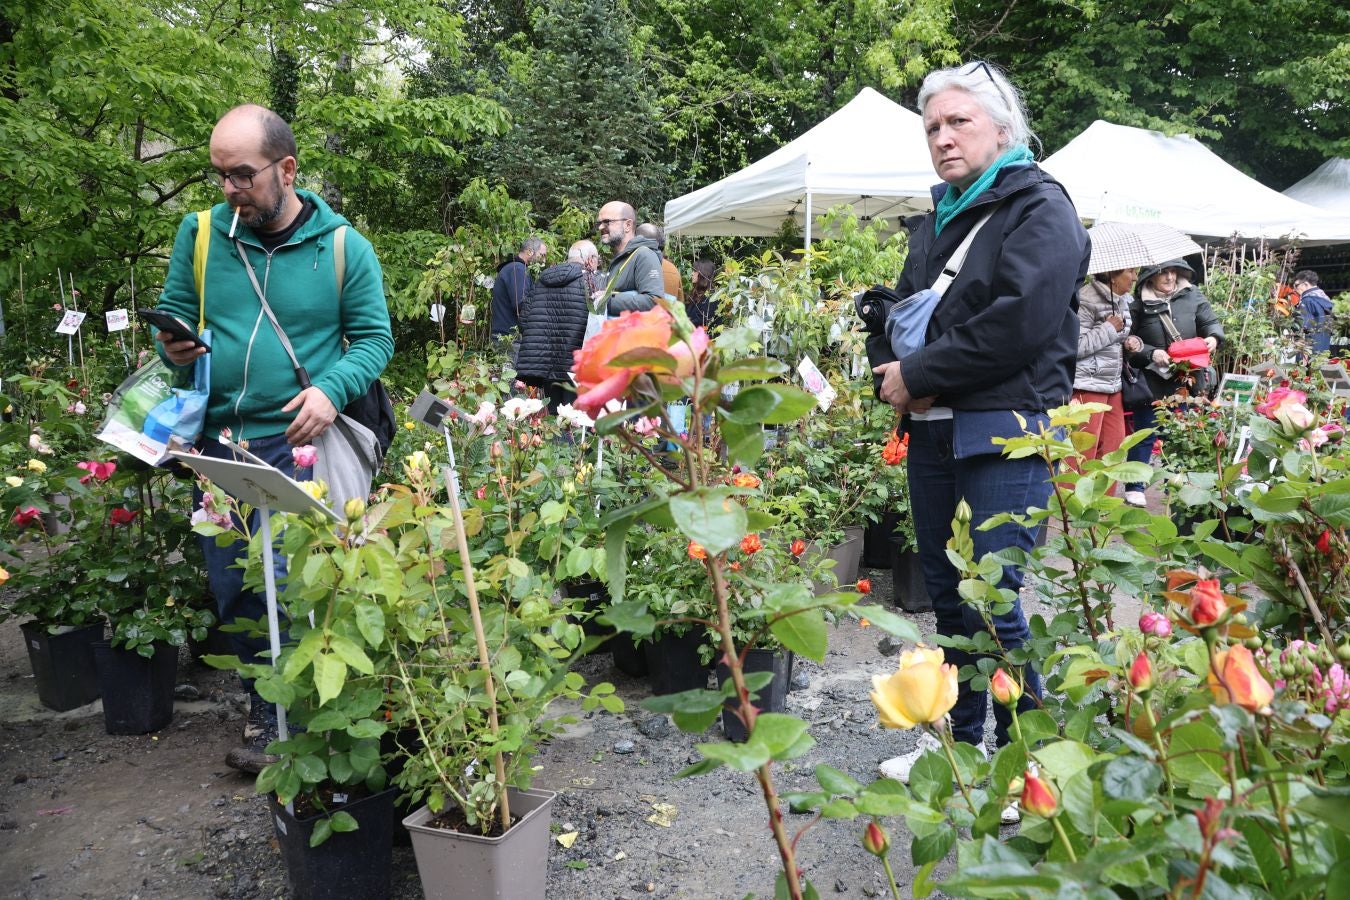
(199, 250)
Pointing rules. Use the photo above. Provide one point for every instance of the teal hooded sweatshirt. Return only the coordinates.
(251, 376)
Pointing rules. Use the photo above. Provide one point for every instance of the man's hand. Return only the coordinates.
(1161, 359)
(180, 353)
(316, 413)
(1212, 343)
(1133, 344)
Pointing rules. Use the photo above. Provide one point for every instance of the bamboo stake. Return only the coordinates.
(484, 661)
(79, 332)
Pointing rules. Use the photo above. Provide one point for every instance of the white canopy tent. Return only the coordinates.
(871, 154)
(1327, 187)
(1123, 174)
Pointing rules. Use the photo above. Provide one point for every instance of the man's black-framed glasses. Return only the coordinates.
(242, 181)
(601, 224)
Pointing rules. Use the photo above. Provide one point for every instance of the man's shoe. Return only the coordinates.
(1136, 498)
(260, 729)
(899, 767)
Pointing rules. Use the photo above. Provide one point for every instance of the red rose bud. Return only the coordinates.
(1220, 439)
(1207, 603)
(864, 585)
(1038, 799)
(1005, 688)
(798, 547)
(1141, 674)
(1324, 542)
(875, 840)
(26, 516)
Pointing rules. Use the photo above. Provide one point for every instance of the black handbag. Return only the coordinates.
(1134, 389)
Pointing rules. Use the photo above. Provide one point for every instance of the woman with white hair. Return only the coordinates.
(1001, 344)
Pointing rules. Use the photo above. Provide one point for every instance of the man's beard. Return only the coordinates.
(266, 217)
(612, 241)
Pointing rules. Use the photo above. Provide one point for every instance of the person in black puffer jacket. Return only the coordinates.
(553, 323)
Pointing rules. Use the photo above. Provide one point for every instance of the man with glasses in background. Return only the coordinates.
(635, 279)
(340, 333)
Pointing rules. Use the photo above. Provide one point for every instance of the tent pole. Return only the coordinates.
(807, 246)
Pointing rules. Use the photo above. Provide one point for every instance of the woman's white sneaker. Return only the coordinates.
(899, 767)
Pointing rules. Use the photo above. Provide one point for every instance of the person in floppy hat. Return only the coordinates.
(1166, 292)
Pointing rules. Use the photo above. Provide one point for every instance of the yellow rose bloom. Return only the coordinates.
(316, 489)
(14, 481)
(921, 691)
(37, 465)
(4, 575)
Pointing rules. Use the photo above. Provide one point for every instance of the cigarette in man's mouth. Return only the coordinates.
(234, 223)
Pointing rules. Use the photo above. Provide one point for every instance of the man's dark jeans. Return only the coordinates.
(227, 580)
(991, 484)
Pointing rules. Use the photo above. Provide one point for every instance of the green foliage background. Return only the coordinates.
(106, 108)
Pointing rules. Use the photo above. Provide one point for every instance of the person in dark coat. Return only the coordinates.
(553, 323)
(1314, 310)
(1165, 291)
(1002, 343)
(699, 303)
(512, 284)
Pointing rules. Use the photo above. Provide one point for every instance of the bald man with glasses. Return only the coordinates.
(635, 279)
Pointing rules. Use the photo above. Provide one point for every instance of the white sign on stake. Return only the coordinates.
(437, 312)
(815, 383)
(70, 322)
(118, 320)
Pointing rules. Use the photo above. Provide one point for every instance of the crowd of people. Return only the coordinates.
(545, 321)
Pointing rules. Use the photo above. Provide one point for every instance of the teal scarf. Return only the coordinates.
(956, 201)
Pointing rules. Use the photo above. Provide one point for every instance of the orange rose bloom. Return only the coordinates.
(1207, 603)
(746, 480)
(1239, 680)
(751, 544)
(798, 547)
(864, 585)
(896, 449)
(598, 382)
(696, 551)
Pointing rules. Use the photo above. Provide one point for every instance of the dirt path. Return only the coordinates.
(85, 814)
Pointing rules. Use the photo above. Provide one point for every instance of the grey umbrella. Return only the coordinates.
(1128, 245)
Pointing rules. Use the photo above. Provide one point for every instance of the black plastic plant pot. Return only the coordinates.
(350, 863)
(880, 542)
(63, 664)
(630, 657)
(137, 690)
(673, 664)
(909, 591)
(771, 699)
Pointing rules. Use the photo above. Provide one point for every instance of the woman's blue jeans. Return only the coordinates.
(991, 484)
(223, 563)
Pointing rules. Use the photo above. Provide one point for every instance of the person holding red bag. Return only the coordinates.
(1172, 319)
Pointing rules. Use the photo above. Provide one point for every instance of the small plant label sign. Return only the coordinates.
(816, 384)
(70, 322)
(118, 320)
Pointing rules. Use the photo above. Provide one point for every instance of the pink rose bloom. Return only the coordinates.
(1287, 406)
(305, 457)
(1155, 623)
(644, 425)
